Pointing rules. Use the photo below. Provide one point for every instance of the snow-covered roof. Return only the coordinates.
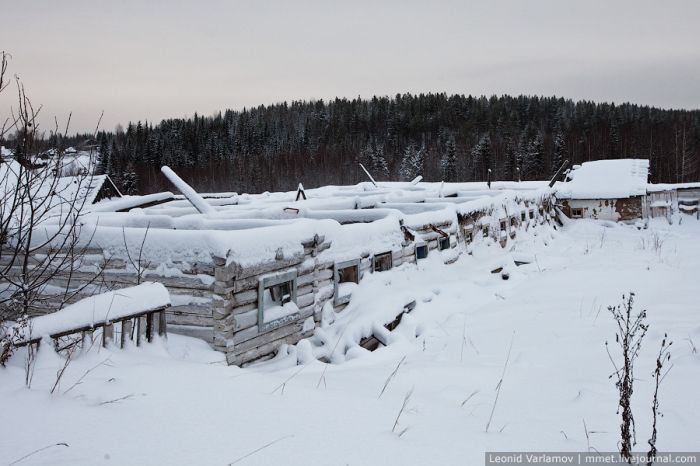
(655, 188)
(606, 179)
(101, 308)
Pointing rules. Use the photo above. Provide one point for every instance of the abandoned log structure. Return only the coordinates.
(258, 271)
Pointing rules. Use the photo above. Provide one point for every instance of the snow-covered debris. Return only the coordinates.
(606, 179)
(101, 308)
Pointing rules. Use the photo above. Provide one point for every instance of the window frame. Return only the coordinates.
(441, 242)
(422, 244)
(268, 281)
(382, 255)
(337, 267)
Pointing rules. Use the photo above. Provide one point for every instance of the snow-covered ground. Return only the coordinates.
(178, 403)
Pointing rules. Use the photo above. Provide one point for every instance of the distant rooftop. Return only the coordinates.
(606, 179)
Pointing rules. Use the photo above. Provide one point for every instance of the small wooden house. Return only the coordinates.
(606, 190)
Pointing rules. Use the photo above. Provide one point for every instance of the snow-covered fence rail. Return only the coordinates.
(135, 314)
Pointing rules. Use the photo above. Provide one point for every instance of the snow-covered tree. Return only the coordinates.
(533, 164)
(378, 164)
(560, 154)
(129, 180)
(481, 157)
(448, 162)
(412, 162)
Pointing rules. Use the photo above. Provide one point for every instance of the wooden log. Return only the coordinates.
(305, 300)
(203, 333)
(245, 320)
(301, 291)
(263, 339)
(169, 282)
(259, 269)
(265, 350)
(323, 274)
(325, 292)
(204, 310)
(189, 319)
(245, 308)
(325, 263)
(306, 279)
(244, 297)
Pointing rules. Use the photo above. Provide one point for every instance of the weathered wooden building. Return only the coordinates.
(257, 271)
(606, 190)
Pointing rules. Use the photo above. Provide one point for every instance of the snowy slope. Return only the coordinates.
(177, 403)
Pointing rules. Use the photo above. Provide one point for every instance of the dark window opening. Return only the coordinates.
(522, 216)
(485, 230)
(382, 262)
(421, 251)
(349, 274)
(277, 295)
(468, 237)
(532, 214)
(577, 212)
(444, 243)
(504, 225)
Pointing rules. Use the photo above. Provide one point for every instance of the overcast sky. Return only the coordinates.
(157, 59)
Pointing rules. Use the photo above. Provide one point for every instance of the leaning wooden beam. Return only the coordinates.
(559, 172)
(368, 175)
(195, 199)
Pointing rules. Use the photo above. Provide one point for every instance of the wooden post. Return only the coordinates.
(149, 327)
(126, 331)
(107, 334)
(87, 341)
(140, 329)
(162, 327)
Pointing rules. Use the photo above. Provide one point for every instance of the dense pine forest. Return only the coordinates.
(439, 136)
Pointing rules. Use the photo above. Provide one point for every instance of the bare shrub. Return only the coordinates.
(40, 223)
(631, 329)
(659, 374)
